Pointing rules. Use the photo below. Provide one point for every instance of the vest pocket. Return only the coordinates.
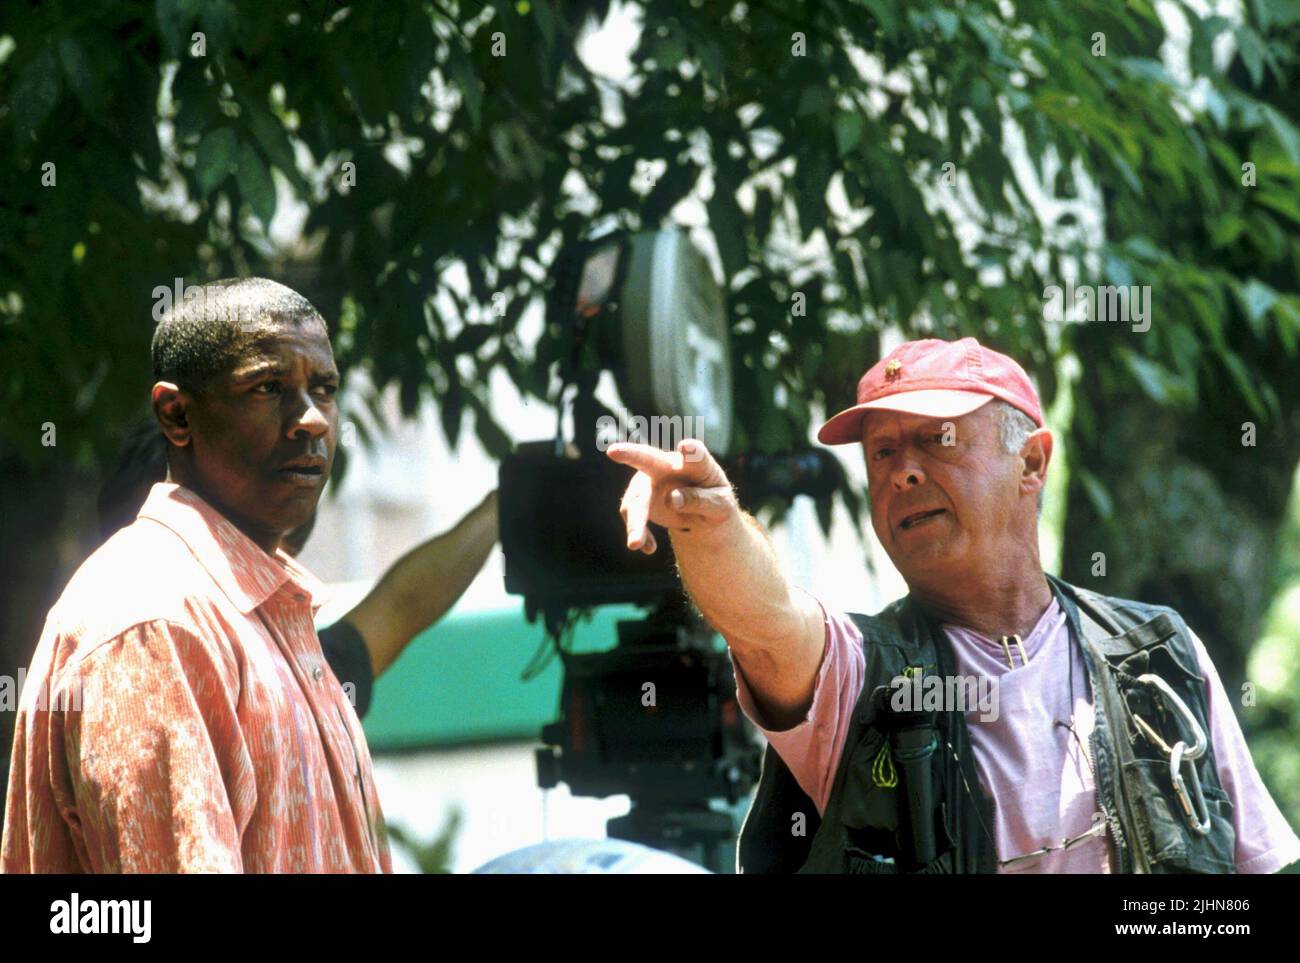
(869, 813)
(1159, 658)
(1158, 818)
(870, 790)
(874, 813)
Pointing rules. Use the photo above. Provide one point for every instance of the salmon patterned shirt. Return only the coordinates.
(179, 715)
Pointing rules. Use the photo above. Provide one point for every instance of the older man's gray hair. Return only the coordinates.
(1014, 427)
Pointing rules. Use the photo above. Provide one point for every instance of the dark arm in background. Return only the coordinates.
(349, 658)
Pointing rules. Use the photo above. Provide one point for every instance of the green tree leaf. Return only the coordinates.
(849, 127)
(215, 159)
(36, 92)
(255, 183)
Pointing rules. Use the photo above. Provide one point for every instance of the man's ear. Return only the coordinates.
(171, 405)
(1037, 455)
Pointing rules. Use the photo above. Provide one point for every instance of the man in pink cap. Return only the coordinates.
(1113, 746)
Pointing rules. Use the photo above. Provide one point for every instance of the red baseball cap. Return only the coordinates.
(939, 379)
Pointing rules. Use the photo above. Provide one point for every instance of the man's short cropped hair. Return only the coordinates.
(205, 334)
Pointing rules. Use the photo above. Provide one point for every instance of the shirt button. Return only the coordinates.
(318, 673)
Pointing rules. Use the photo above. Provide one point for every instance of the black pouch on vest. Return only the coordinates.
(872, 813)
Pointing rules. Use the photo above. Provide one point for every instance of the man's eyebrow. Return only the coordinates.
(278, 369)
(260, 371)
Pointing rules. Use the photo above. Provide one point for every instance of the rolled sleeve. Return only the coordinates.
(158, 778)
(811, 749)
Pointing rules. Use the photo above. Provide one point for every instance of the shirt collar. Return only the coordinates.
(240, 567)
(1045, 624)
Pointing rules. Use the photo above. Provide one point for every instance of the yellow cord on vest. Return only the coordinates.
(882, 770)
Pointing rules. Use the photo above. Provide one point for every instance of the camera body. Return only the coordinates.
(565, 544)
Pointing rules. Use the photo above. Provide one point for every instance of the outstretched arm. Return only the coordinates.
(423, 584)
(727, 564)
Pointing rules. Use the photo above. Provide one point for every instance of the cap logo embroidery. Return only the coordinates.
(893, 368)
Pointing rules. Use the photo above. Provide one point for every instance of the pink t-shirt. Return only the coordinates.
(1040, 782)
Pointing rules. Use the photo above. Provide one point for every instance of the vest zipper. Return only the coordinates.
(1075, 625)
(1111, 821)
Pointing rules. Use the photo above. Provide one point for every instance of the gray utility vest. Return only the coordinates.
(1121, 640)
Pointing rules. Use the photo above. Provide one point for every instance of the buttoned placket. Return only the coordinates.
(318, 676)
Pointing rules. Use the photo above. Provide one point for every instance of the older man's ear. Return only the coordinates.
(1036, 454)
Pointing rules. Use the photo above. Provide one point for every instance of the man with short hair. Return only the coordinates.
(179, 715)
(1114, 747)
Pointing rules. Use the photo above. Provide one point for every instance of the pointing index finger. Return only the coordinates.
(646, 458)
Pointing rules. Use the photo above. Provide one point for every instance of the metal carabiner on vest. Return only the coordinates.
(1198, 814)
(1195, 810)
(1199, 742)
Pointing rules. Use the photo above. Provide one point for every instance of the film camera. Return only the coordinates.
(656, 716)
